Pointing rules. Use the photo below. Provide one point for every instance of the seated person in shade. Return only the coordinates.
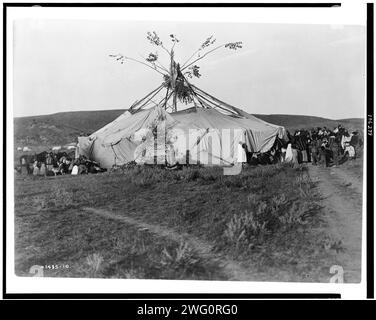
(254, 159)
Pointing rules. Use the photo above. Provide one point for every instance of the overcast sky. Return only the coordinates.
(287, 69)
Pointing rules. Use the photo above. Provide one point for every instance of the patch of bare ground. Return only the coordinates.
(342, 207)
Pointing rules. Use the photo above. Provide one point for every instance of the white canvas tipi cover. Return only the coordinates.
(201, 135)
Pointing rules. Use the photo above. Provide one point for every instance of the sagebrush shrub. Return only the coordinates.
(61, 198)
(245, 229)
(57, 198)
(193, 175)
(183, 256)
(39, 202)
(266, 214)
(94, 263)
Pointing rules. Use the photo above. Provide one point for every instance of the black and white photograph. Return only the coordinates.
(218, 151)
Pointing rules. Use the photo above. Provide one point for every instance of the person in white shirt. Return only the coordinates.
(242, 155)
(350, 150)
(289, 155)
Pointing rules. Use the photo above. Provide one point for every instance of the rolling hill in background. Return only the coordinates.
(65, 127)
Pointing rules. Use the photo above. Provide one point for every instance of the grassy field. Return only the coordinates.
(196, 223)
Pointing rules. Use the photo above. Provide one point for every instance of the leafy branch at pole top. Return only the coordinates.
(153, 62)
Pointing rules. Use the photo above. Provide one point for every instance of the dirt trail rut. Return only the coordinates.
(232, 269)
(342, 201)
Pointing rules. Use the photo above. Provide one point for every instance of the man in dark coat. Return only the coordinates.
(323, 154)
(336, 151)
(315, 151)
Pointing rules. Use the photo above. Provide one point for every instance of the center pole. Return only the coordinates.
(174, 75)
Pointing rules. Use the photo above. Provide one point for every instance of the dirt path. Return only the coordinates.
(342, 201)
(232, 269)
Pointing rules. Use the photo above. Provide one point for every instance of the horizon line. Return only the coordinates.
(255, 114)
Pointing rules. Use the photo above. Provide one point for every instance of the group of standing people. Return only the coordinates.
(320, 146)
